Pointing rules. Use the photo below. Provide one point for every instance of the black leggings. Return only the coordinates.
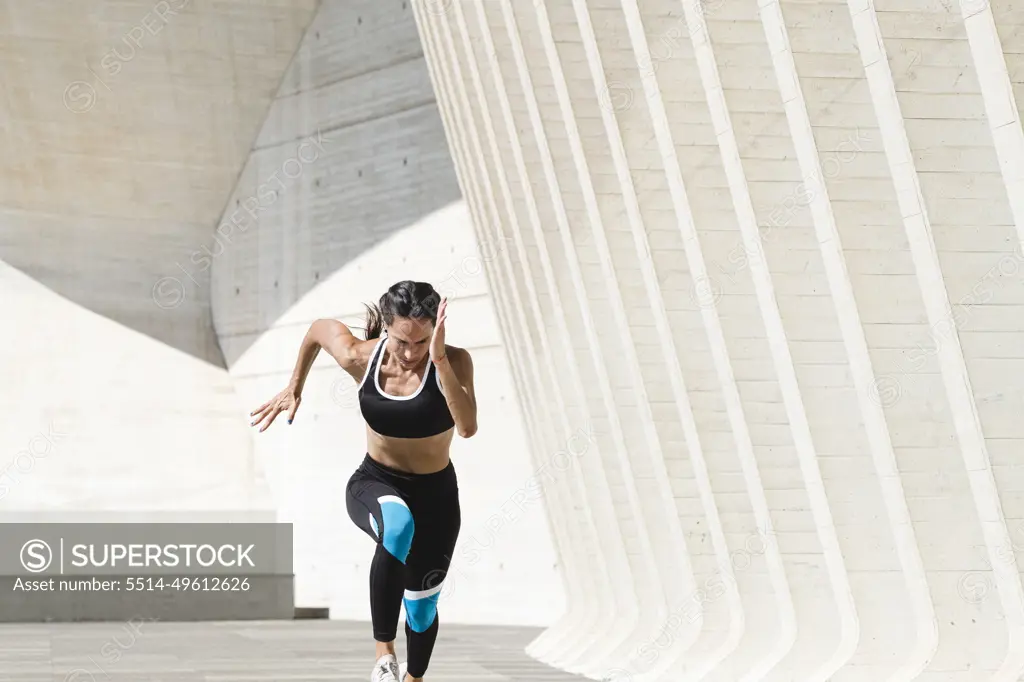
(415, 521)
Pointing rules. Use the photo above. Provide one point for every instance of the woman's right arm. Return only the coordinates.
(335, 338)
(339, 342)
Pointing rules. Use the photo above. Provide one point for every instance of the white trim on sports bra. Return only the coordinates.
(370, 363)
(376, 380)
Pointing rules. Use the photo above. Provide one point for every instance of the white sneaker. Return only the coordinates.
(402, 670)
(385, 669)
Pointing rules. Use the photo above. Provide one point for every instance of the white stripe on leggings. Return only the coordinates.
(423, 594)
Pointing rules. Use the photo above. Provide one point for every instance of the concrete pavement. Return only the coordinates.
(310, 651)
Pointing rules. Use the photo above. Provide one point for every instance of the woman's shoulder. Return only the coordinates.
(365, 347)
(458, 356)
(360, 352)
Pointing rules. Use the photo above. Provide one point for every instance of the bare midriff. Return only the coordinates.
(414, 455)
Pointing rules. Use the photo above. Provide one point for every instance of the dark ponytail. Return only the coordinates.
(374, 321)
(416, 300)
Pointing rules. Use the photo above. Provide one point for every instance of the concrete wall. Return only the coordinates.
(771, 253)
(123, 125)
(98, 417)
(350, 188)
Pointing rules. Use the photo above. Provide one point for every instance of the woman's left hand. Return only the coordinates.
(437, 352)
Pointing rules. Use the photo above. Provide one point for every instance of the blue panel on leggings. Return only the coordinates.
(373, 525)
(420, 613)
(398, 529)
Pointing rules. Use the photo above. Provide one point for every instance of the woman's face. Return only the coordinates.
(409, 340)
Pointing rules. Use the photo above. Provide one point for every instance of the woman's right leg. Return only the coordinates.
(381, 512)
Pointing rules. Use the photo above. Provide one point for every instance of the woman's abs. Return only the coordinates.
(415, 455)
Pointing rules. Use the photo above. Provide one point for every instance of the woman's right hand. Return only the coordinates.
(287, 400)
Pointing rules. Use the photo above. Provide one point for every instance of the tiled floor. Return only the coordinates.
(279, 651)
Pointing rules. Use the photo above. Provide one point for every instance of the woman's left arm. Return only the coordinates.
(456, 372)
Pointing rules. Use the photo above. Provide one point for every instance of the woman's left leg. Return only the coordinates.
(438, 520)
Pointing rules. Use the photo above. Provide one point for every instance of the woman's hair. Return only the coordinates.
(416, 300)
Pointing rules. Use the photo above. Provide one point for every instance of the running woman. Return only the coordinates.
(414, 393)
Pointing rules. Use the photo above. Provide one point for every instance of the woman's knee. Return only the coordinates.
(420, 611)
(399, 527)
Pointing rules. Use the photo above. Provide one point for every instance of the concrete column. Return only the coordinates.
(780, 245)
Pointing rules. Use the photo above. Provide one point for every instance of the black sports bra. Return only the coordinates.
(423, 414)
